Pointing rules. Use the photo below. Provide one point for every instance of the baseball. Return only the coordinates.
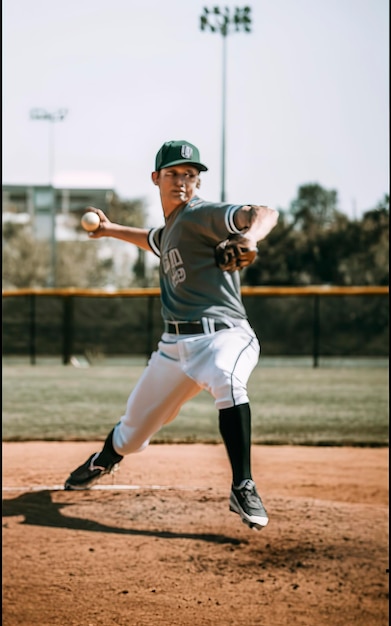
(90, 221)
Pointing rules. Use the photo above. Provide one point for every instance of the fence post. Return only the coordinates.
(316, 331)
(67, 330)
(32, 330)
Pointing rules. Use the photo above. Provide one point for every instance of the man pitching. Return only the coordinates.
(207, 341)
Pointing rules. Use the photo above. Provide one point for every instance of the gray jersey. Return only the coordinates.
(192, 286)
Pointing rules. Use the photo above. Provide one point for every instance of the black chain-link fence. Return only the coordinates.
(286, 325)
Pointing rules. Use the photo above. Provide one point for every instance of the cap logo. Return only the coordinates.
(186, 152)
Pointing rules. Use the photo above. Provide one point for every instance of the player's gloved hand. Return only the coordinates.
(235, 253)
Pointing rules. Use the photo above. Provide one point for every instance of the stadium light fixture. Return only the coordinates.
(52, 117)
(225, 21)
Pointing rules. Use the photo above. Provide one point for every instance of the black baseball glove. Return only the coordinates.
(234, 253)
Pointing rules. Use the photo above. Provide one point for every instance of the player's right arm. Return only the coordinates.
(130, 234)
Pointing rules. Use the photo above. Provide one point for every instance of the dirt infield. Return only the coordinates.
(168, 551)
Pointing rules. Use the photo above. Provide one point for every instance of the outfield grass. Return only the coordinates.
(290, 405)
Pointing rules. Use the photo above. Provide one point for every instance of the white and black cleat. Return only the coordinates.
(85, 476)
(245, 501)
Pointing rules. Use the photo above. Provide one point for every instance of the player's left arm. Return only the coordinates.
(255, 222)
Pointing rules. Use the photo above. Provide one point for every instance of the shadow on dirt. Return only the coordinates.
(38, 509)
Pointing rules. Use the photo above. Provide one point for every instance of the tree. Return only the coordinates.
(314, 208)
(25, 260)
(366, 258)
(314, 243)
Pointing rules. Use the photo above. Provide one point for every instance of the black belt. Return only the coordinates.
(194, 328)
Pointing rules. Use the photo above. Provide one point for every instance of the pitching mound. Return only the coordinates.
(156, 543)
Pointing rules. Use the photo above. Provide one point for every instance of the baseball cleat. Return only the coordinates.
(245, 501)
(87, 474)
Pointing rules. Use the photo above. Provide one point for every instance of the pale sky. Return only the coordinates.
(307, 96)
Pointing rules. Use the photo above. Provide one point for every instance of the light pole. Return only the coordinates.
(52, 117)
(221, 21)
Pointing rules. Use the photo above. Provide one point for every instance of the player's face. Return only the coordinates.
(177, 184)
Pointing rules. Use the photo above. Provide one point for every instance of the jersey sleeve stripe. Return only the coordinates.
(152, 241)
(229, 219)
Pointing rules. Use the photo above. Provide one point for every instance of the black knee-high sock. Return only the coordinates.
(108, 455)
(235, 429)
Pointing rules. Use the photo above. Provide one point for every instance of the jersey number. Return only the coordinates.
(173, 266)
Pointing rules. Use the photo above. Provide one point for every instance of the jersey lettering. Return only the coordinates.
(173, 266)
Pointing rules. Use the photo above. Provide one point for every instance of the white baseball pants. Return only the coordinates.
(181, 367)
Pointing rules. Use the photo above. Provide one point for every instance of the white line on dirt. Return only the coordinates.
(103, 488)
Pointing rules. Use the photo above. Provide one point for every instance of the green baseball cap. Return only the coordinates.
(177, 153)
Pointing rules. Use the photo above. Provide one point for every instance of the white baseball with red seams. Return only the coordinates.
(90, 221)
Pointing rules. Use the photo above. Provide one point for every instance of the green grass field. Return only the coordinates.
(290, 405)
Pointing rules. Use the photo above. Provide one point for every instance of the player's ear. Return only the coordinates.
(155, 178)
(198, 183)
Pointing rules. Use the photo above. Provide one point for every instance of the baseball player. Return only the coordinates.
(207, 341)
